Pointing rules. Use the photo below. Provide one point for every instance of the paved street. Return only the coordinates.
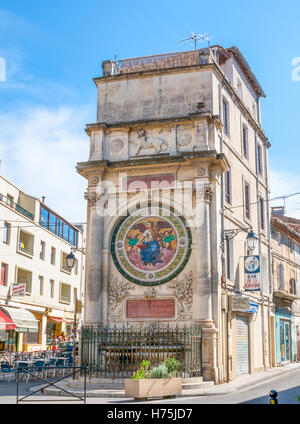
(287, 386)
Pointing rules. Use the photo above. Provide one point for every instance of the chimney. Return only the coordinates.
(43, 199)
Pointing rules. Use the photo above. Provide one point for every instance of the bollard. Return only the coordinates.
(273, 397)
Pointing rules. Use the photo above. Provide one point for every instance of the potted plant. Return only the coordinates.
(160, 381)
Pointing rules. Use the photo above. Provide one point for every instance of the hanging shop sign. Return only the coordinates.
(18, 290)
(253, 308)
(252, 273)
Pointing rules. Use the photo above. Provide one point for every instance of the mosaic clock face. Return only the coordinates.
(151, 245)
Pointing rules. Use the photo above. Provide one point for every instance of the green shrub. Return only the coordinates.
(142, 371)
(166, 369)
(159, 372)
(172, 365)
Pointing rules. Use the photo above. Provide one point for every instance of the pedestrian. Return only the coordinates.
(54, 343)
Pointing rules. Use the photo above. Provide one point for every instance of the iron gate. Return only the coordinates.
(117, 353)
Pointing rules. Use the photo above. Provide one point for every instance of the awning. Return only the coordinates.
(6, 323)
(24, 320)
(56, 319)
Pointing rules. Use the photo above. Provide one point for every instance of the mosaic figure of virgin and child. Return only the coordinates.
(151, 243)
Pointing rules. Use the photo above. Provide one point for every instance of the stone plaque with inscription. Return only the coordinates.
(150, 308)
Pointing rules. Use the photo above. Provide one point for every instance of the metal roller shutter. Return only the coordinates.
(242, 345)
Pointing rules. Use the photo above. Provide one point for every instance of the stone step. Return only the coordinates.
(118, 384)
(200, 385)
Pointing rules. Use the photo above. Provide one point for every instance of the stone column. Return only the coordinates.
(204, 192)
(94, 258)
(105, 275)
(209, 352)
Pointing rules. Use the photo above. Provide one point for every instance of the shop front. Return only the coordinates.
(7, 327)
(285, 336)
(243, 312)
(58, 327)
(25, 324)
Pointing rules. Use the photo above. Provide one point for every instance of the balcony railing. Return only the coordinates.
(162, 61)
(23, 249)
(17, 207)
(23, 211)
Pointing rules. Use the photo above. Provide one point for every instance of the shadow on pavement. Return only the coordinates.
(284, 397)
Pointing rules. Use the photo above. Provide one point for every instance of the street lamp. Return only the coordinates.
(251, 240)
(70, 259)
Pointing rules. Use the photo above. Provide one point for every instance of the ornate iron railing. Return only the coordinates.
(117, 353)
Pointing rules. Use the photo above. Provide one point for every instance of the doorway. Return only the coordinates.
(285, 340)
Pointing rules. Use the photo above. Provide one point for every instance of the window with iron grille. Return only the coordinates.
(228, 186)
(292, 286)
(226, 122)
(259, 160)
(247, 200)
(245, 142)
(262, 213)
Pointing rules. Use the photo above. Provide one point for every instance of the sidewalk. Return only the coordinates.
(207, 389)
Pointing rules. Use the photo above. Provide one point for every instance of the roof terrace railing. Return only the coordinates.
(162, 61)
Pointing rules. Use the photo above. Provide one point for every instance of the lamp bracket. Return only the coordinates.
(230, 234)
(78, 249)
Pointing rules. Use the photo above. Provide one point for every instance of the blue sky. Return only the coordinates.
(54, 48)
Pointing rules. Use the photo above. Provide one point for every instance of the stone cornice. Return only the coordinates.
(157, 121)
(215, 160)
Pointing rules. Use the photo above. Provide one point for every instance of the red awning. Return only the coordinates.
(6, 323)
(56, 319)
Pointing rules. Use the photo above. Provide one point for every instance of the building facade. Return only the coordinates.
(177, 175)
(286, 273)
(34, 244)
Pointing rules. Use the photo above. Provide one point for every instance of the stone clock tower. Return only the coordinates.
(154, 175)
(178, 160)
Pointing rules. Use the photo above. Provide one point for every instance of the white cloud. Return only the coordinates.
(39, 149)
(13, 25)
(285, 183)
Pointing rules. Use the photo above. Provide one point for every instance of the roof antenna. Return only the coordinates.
(199, 37)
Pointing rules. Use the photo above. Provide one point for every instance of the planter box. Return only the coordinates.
(156, 387)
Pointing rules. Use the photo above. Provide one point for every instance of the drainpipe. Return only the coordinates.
(269, 256)
(259, 252)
